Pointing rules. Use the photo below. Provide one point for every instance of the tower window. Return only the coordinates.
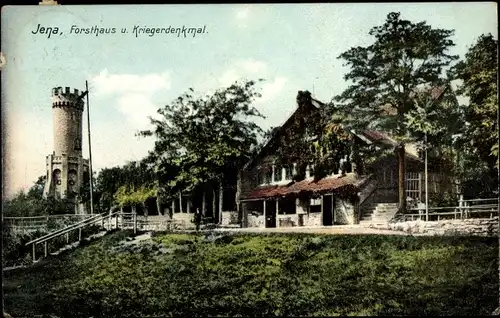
(78, 144)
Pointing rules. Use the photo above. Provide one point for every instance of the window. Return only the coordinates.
(78, 144)
(288, 172)
(265, 176)
(268, 175)
(278, 175)
(315, 205)
(309, 171)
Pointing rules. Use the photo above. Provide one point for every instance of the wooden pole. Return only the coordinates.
(221, 198)
(426, 184)
(46, 248)
(265, 214)
(180, 202)
(90, 151)
(213, 204)
(203, 204)
(276, 213)
(135, 223)
(80, 234)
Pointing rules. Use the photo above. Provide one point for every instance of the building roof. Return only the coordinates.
(307, 186)
(379, 137)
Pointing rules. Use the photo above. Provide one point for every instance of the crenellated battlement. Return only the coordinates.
(66, 98)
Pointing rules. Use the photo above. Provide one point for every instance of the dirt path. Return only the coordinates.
(339, 230)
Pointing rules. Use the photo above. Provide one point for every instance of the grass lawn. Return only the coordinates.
(262, 275)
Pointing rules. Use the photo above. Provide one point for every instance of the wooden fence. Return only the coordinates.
(466, 209)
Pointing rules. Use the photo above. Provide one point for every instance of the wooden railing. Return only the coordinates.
(106, 222)
(475, 208)
(43, 221)
(65, 231)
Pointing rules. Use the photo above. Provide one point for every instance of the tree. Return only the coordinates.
(403, 57)
(202, 139)
(478, 73)
(32, 202)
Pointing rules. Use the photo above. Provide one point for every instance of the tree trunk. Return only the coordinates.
(204, 204)
(221, 200)
(158, 205)
(180, 202)
(214, 206)
(401, 179)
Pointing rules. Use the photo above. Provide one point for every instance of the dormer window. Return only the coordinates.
(278, 175)
(265, 176)
(288, 172)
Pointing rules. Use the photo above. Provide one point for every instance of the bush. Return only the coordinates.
(266, 275)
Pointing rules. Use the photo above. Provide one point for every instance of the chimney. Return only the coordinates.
(303, 98)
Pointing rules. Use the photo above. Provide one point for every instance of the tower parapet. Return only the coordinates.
(66, 98)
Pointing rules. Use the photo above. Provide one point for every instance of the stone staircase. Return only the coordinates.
(377, 213)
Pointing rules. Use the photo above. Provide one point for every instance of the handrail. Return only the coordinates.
(64, 231)
(457, 207)
(73, 227)
(489, 199)
(44, 216)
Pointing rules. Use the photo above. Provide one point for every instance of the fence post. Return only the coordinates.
(116, 221)
(34, 257)
(46, 248)
(135, 223)
(67, 238)
(79, 234)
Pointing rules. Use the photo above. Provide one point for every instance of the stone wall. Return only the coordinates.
(185, 218)
(287, 220)
(313, 219)
(256, 220)
(230, 217)
(469, 227)
(344, 212)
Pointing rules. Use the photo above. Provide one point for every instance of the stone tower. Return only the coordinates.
(66, 168)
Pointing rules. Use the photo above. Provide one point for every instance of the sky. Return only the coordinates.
(291, 46)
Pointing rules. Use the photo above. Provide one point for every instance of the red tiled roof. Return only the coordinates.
(378, 136)
(306, 186)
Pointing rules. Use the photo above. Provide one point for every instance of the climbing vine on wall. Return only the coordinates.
(317, 139)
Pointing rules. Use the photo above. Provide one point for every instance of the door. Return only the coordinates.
(327, 210)
(270, 213)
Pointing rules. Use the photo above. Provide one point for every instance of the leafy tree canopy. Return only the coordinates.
(202, 139)
(478, 72)
(403, 57)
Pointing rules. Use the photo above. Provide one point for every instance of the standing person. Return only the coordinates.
(197, 219)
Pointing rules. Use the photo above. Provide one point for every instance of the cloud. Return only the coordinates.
(229, 77)
(242, 13)
(243, 69)
(253, 66)
(132, 94)
(272, 89)
(107, 84)
(251, 69)
(136, 108)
